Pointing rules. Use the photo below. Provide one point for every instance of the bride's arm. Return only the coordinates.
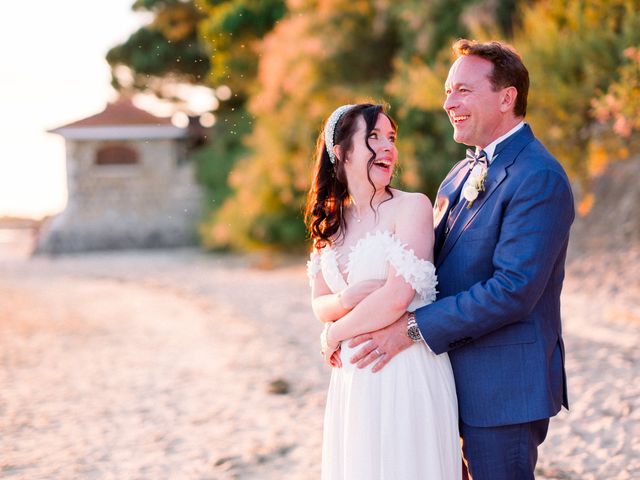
(328, 306)
(414, 228)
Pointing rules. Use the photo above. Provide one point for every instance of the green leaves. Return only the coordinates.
(574, 52)
(288, 64)
(169, 46)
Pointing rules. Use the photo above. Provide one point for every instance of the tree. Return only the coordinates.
(320, 55)
(167, 48)
(232, 30)
(200, 42)
(287, 64)
(618, 110)
(574, 50)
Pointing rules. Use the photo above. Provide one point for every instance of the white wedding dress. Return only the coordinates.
(400, 423)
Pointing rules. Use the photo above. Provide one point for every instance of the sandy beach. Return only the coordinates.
(176, 364)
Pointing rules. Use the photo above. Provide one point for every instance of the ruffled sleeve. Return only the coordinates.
(419, 273)
(313, 266)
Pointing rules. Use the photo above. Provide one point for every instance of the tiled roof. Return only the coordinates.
(121, 112)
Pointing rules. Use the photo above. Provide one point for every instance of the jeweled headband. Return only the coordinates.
(330, 129)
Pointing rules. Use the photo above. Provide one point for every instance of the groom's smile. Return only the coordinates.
(458, 118)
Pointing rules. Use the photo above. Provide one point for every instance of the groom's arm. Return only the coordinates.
(533, 234)
(534, 231)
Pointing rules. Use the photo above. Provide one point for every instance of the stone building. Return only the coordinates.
(129, 184)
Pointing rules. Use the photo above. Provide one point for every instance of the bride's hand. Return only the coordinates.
(335, 360)
(354, 294)
(329, 348)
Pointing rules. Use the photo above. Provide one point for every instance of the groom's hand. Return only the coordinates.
(381, 345)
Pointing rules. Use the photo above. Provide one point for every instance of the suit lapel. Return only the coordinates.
(506, 154)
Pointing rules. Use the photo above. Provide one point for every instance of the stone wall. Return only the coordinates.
(154, 203)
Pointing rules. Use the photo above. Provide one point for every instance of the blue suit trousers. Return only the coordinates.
(508, 452)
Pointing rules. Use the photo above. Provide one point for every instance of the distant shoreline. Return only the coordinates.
(17, 223)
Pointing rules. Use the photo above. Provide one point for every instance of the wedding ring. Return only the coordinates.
(378, 352)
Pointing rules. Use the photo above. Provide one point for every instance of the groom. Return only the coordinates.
(502, 226)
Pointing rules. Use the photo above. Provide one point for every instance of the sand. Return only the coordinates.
(160, 365)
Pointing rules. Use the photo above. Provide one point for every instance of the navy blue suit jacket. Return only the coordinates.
(500, 271)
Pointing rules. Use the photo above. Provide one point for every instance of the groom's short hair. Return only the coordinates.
(508, 69)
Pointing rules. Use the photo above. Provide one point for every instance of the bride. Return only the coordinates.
(371, 262)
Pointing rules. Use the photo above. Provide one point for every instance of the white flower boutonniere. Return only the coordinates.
(475, 184)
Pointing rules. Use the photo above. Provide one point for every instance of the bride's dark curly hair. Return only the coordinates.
(329, 192)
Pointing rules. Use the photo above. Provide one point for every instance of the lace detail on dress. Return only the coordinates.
(369, 259)
(313, 266)
(331, 270)
(326, 261)
(419, 273)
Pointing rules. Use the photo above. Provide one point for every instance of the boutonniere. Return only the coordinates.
(475, 184)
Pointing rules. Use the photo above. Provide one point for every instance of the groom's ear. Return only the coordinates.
(508, 99)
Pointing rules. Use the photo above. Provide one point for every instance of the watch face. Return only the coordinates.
(414, 333)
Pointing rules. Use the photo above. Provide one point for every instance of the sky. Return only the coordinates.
(52, 71)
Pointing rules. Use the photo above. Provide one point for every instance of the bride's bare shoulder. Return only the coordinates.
(413, 201)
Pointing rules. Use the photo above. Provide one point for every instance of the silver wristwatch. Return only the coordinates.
(413, 332)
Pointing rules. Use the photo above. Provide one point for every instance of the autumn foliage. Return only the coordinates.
(290, 63)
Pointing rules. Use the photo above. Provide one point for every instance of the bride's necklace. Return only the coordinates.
(353, 210)
(354, 213)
